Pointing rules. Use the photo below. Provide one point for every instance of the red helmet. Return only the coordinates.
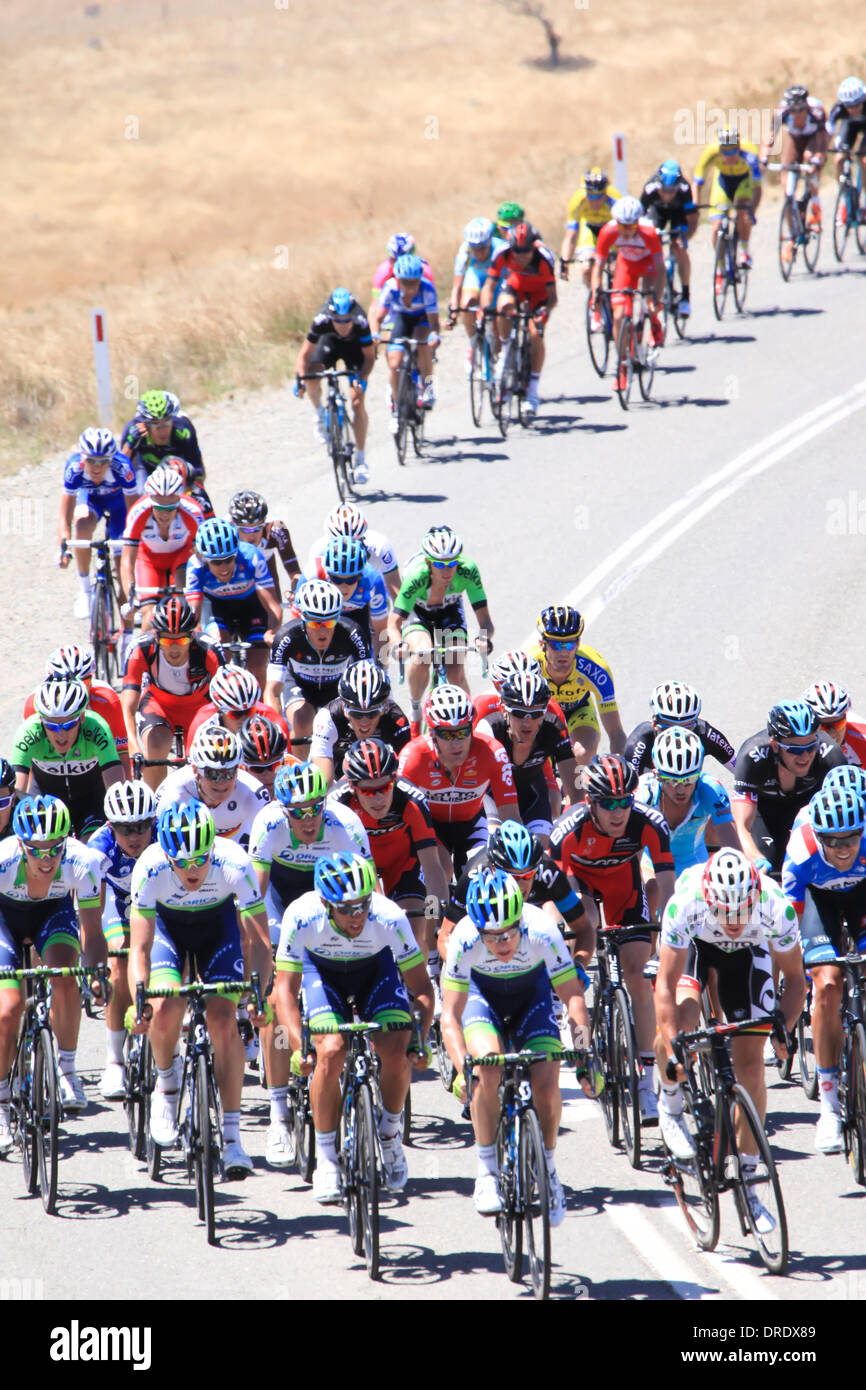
(369, 760)
(609, 776)
(173, 616)
(521, 237)
(262, 741)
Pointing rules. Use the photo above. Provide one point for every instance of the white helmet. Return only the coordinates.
(478, 232)
(448, 707)
(851, 91)
(318, 601)
(164, 482)
(677, 753)
(828, 700)
(60, 699)
(129, 802)
(626, 211)
(234, 690)
(441, 543)
(70, 663)
(96, 443)
(674, 702)
(346, 520)
(512, 664)
(214, 747)
(731, 884)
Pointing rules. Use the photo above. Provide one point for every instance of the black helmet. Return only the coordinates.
(262, 741)
(173, 616)
(248, 509)
(609, 776)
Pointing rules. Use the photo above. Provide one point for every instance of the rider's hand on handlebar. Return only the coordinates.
(300, 387)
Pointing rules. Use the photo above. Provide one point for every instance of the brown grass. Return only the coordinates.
(309, 128)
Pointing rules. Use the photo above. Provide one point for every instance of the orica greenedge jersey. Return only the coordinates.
(541, 946)
(307, 928)
(687, 918)
(78, 873)
(230, 874)
(271, 838)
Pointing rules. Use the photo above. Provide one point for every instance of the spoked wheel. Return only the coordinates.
(402, 408)
(627, 1075)
(602, 1042)
(857, 1104)
(100, 635)
(694, 1188)
(646, 361)
(45, 1117)
(479, 381)
(523, 413)
(447, 1069)
(861, 227)
(720, 277)
(418, 424)
(206, 1144)
(305, 1138)
(367, 1177)
(24, 1109)
(624, 359)
(666, 308)
(598, 339)
(503, 392)
(812, 246)
(761, 1184)
(407, 1117)
(535, 1194)
(741, 278)
(509, 1221)
(788, 223)
(841, 222)
(806, 1053)
(140, 1078)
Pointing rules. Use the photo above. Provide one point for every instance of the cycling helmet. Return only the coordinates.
(521, 237)
(346, 520)
(164, 483)
(248, 509)
(626, 211)
(408, 267)
(234, 690)
(344, 877)
(441, 543)
(318, 601)
(479, 231)
(158, 405)
(185, 828)
(848, 776)
(173, 617)
(340, 303)
(595, 180)
(493, 900)
(7, 773)
(60, 699)
(728, 138)
(364, 685)
(795, 96)
(674, 702)
(262, 742)
(129, 802)
(344, 559)
(400, 244)
(525, 690)
(828, 700)
(216, 748)
(217, 540)
(512, 664)
(669, 173)
(70, 663)
(368, 760)
(677, 753)
(836, 811)
(513, 848)
(95, 443)
(448, 707)
(41, 818)
(609, 775)
(791, 719)
(182, 467)
(731, 885)
(509, 212)
(559, 621)
(299, 783)
(850, 92)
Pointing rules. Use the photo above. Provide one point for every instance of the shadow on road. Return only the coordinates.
(777, 310)
(694, 400)
(725, 338)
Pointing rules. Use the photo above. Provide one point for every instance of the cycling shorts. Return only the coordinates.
(51, 922)
(243, 615)
(586, 239)
(404, 325)
(745, 980)
(153, 573)
(627, 275)
(824, 911)
(157, 708)
(115, 917)
(727, 190)
(331, 349)
(462, 838)
(623, 897)
(517, 1010)
(447, 624)
(514, 288)
(210, 940)
(113, 508)
(375, 984)
(410, 883)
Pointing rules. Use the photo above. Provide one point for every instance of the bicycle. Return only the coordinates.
(635, 352)
(511, 381)
(852, 1071)
(176, 758)
(599, 339)
(301, 1124)
(105, 624)
(483, 354)
(717, 1166)
(795, 230)
(438, 664)
(612, 1039)
(409, 410)
(729, 272)
(849, 210)
(672, 297)
(338, 427)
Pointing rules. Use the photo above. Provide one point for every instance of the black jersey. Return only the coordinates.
(183, 444)
(639, 746)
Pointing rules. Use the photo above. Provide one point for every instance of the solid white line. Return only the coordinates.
(743, 1280)
(640, 1232)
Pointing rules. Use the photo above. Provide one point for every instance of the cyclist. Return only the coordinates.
(504, 962)
(263, 749)
(214, 777)
(803, 123)
(727, 917)
(579, 680)
(248, 511)
(396, 819)
(159, 429)
(160, 536)
(76, 663)
(413, 306)
(97, 482)
(310, 654)
(775, 775)
(235, 578)
(508, 215)
(192, 485)
(849, 114)
(365, 596)
(234, 696)
(831, 703)
(675, 703)
(588, 211)
(455, 769)
(345, 939)
(512, 663)
(599, 845)
(287, 840)
(668, 201)
(128, 830)
(194, 896)
(42, 868)
(733, 184)
(7, 796)
(639, 263)
(428, 613)
(165, 683)
(480, 244)
(362, 709)
(66, 750)
(824, 876)
(348, 520)
(400, 244)
(522, 274)
(340, 332)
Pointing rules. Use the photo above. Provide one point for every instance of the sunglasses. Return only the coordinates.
(569, 646)
(6, 801)
(443, 564)
(326, 623)
(451, 735)
(840, 841)
(136, 827)
(521, 874)
(504, 935)
(61, 726)
(191, 861)
(355, 909)
(370, 788)
(614, 803)
(250, 530)
(53, 853)
(363, 713)
(691, 781)
(527, 713)
(834, 725)
(164, 506)
(307, 812)
(174, 641)
(221, 564)
(799, 748)
(222, 774)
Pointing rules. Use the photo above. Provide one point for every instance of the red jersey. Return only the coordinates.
(610, 866)
(854, 746)
(639, 243)
(103, 700)
(530, 281)
(145, 666)
(460, 797)
(209, 712)
(396, 839)
(177, 547)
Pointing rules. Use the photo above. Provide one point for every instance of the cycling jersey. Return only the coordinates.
(783, 115)
(233, 819)
(805, 866)
(851, 128)
(735, 167)
(609, 865)
(549, 885)
(473, 270)
(460, 797)
(710, 803)
(412, 598)
(541, 948)
(854, 744)
(661, 210)
(48, 921)
(115, 870)
(147, 668)
(378, 547)
(103, 700)
(323, 326)
(308, 674)
(105, 498)
(76, 776)
(687, 918)
(250, 573)
(756, 780)
(333, 735)
(183, 443)
(276, 540)
(638, 248)
(582, 209)
(385, 272)
(367, 602)
(309, 935)
(590, 680)
(423, 303)
(531, 281)
(397, 838)
(159, 556)
(290, 862)
(551, 741)
(639, 745)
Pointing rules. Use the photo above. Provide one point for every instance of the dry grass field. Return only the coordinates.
(205, 171)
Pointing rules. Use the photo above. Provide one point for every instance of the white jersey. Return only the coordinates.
(78, 872)
(541, 944)
(234, 817)
(379, 552)
(687, 918)
(307, 927)
(230, 875)
(271, 838)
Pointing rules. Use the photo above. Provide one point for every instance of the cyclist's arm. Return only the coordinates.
(613, 728)
(375, 317)
(94, 947)
(434, 874)
(67, 509)
(142, 927)
(419, 986)
(286, 993)
(666, 881)
(396, 619)
(111, 774)
(485, 623)
(127, 566)
(672, 962)
(744, 813)
(451, 1024)
(454, 297)
(269, 603)
(790, 964)
(256, 938)
(369, 355)
(725, 835)
(567, 770)
(569, 241)
(303, 358)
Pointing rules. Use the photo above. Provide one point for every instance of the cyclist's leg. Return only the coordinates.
(537, 1030)
(584, 733)
(585, 251)
(11, 1000)
(454, 638)
(418, 639)
(484, 1034)
(821, 934)
(506, 308)
(219, 956)
(387, 1001)
(58, 943)
(325, 1007)
(299, 716)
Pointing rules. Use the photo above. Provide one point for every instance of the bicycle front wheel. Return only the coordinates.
(140, 1078)
(720, 276)
(367, 1178)
(758, 1191)
(788, 229)
(598, 339)
(694, 1185)
(23, 1110)
(45, 1115)
(806, 1053)
(479, 377)
(602, 1043)
(812, 243)
(509, 1221)
(203, 1138)
(535, 1196)
(627, 1074)
(504, 391)
(857, 1103)
(402, 407)
(741, 279)
(99, 635)
(624, 359)
(841, 221)
(646, 365)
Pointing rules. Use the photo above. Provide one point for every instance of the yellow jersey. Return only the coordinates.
(590, 680)
(580, 209)
(732, 168)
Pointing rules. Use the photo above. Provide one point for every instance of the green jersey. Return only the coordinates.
(416, 585)
(75, 775)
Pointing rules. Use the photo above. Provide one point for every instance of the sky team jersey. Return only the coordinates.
(155, 886)
(590, 680)
(78, 873)
(541, 947)
(805, 867)
(273, 845)
(548, 886)
(73, 773)
(687, 918)
(141, 526)
(486, 769)
(712, 158)
(102, 700)
(416, 584)
(234, 818)
(709, 803)
(307, 930)
(379, 552)
(323, 323)
(756, 774)
(370, 592)
(423, 302)
(118, 481)
(583, 209)
(250, 573)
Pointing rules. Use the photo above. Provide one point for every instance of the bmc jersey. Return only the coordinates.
(308, 932)
(806, 867)
(460, 797)
(404, 830)
(118, 481)
(78, 872)
(250, 573)
(581, 849)
(102, 700)
(540, 947)
(178, 544)
(709, 802)
(687, 918)
(146, 667)
(156, 887)
(639, 746)
(234, 817)
(530, 280)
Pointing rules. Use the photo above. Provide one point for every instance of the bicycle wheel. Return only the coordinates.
(602, 1043)
(535, 1198)
(447, 1069)
(788, 231)
(646, 369)
(806, 1053)
(305, 1136)
(626, 1073)
(366, 1164)
(45, 1114)
(402, 407)
(694, 1185)
(203, 1141)
(335, 449)
(99, 635)
(761, 1182)
(418, 420)
(857, 1103)
(741, 278)
(478, 377)
(841, 221)
(509, 1221)
(504, 391)
(407, 1117)
(812, 242)
(720, 276)
(139, 1087)
(598, 339)
(23, 1109)
(861, 224)
(624, 359)
(523, 375)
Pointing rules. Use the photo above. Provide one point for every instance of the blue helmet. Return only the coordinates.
(493, 900)
(41, 818)
(791, 719)
(400, 244)
(344, 877)
(340, 303)
(669, 173)
(344, 559)
(408, 267)
(836, 811)
(513, 848)
(217, 540)
(298, 783)
(847, 777)
(185, 828)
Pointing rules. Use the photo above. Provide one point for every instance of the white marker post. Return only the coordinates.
(102, 365)
(620, 171)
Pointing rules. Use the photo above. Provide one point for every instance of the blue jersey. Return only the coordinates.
(466, 260)
(119, 480)
(250, 573)
(116, 867)
(424, 300)
(370, 593)
(709, 803)
(805, 867)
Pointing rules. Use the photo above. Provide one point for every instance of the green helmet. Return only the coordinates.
(509, 212)
(299, 783)
(157, 405)
(41, 818)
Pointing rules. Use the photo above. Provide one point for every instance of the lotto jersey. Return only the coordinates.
(461, 797)
(687, 918)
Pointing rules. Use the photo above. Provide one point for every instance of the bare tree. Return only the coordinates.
(532, 10)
